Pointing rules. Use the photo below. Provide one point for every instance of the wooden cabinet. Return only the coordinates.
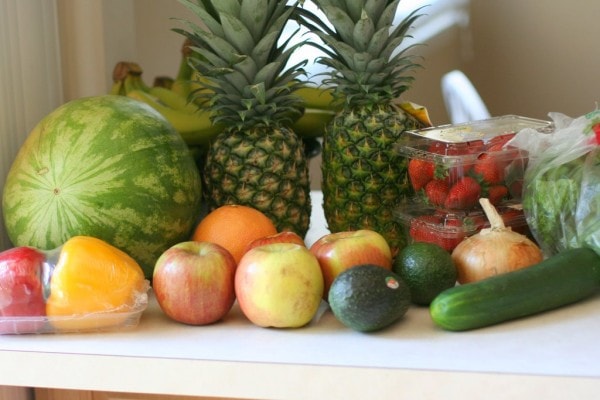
(15, 393)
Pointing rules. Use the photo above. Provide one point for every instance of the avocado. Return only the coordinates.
(368, 297)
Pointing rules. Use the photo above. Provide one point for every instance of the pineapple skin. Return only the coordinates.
(264, 168)
(364, 177)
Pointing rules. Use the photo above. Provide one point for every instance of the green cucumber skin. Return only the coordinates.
(565, 278)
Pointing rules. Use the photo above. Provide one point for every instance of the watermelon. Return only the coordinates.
(109, 167)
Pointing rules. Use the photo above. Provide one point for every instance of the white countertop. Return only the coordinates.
(555, 354)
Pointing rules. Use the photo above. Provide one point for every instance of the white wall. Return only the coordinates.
(30, 78)
(536, 56)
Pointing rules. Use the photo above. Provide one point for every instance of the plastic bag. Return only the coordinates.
(561, 194)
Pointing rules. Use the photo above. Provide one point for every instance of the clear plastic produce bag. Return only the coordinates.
(561, 194)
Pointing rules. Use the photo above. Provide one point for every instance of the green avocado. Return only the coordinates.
(368, 298)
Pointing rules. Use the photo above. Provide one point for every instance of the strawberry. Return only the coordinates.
(432, 229)
(436, 191)
(515, 219)
(497, 193)
(474, 223)
(500, 140)
(453, 234)
(596, 129)
(421, 227)
(464, 194)
(420, 172)
(489, 169)
(456, 149)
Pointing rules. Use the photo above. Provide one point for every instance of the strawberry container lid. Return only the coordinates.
(484, 129)
(468, 140)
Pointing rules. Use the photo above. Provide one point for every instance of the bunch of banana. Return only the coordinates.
(188, 118)
(182, 101)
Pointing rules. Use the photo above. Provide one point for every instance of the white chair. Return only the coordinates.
(462, 100)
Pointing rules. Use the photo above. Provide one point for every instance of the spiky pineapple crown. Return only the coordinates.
(362, 50)
(246, 63)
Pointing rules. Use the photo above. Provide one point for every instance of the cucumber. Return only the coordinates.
(564, 278)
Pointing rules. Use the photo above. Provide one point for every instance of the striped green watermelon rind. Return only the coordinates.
(108, 167)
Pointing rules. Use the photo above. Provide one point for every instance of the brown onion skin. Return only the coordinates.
(490, 253)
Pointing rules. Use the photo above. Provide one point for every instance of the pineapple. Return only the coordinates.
(243, 58)
(364, 178)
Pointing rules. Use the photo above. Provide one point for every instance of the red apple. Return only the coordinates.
(339, 251)
(279, 285)
(22, 290)
(281, 237)
(193, 282)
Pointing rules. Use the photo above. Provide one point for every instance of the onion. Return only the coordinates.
(495, 250)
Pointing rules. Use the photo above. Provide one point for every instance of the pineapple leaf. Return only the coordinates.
(342, 23)
(244, 62)
(209, 18)
(262, 52)
(258, 91)
(237, 34)
(207, 60)
(282, 16)
(237, 79)
(267, 73)
(401, 57)
(248, 68)
(221, 47)
(403, 27)
(208, 6)
(231, 7)
(362, 32)
(313, 23)
(386, 16)
(355, 9)
(375, 65)
(339, 50)
(360, 61)
(378, 41)
(374, 8)
(253, 16)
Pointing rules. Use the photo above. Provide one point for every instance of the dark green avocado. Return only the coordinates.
(368, 298)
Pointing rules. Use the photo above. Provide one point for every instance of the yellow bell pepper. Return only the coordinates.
(94, 285)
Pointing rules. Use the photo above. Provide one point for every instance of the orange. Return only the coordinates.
(234, 227)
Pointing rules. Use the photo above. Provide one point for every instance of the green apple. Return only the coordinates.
(336, 252)
(279, 285)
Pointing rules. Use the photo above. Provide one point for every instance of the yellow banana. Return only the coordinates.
(163, 81)
(188, 88)
(313, 122)
(315, 97)
(173, 99)
(194, 128)
(127, 76)
(185, 70)
(117, 88)
(186, 81)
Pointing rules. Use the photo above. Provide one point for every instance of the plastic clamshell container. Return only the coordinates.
(475, 150)
(448, 228)
(84, 285)
(127, 318)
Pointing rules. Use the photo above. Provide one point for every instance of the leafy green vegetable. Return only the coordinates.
(562, 203)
